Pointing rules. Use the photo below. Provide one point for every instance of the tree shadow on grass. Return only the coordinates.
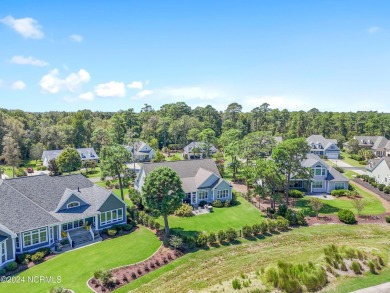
(304, 205)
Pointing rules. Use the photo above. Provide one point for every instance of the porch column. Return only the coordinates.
(14, 247)
(96, 222)
(59, 232)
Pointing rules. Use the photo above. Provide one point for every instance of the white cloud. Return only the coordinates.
(27, 27)
(110, 89)
(88, 96)
(18, 85)
(373, 29)
(28, 61)
(52, 83)
(144, 93)
(76, 38)
(135, 85)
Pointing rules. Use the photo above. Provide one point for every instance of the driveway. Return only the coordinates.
(339, 163)
(382, 288)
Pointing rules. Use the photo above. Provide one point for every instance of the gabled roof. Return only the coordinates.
(85, 154)
(375, 141)
(383, 160)
(333, 174)
(200, 145)
(326, 143)
(31, 202)
(138, 146)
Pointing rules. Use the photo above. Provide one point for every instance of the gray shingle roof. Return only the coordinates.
(377, 162)
(138, 147)
(198, 144)
(326, 143)
(30, 202)
(85, 154)
(333, 174)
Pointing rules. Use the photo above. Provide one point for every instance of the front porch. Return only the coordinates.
(78, 238)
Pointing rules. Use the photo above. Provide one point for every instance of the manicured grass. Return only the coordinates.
(374, 206)
(203, 269)
(222, 218)
(349, 174)
(347, 160)
(177, 154)
(76, 267)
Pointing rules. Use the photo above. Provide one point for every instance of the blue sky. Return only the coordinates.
(111, 55)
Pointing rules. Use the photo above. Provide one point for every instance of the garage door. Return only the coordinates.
(332, 155)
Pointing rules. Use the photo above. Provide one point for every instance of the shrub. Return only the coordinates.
(271, 225)
(282, 210)
(300, 218)
(59, 290)
(340, 169)
(217, 203)
(371, 266)
(212, 238)
(374, 184)
(386, 189)
(256, 229)
(247, 231)
(111, 232)
(355, 266)
(176, 242)
(2, 272)
(236, 284)
(221, 236)
(381, 187)
(264, 227)
(346, 216)
(201, 240)
(295, 193)
(37, 257)
(202, 203)
(11, 266)
(227, 203)
(190, 241)
(340, 192)
(282, 223)
(128, 227)
(231, 234)
(24, 258)
(97, 274)
(356, 157)
(185, 210)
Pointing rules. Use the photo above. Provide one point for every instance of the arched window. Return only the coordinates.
(73, 204)
(319, 170)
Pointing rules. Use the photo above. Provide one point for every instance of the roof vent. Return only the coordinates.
(78, 189)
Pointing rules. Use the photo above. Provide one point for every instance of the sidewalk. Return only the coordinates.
(382, 288)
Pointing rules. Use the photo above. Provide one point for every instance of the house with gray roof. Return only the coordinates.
(86, 154)
(322, 146)
(324, 179)
(201, 180)
(198, 149)
(39, 211)
(380, 170)
(141, 151)
(380, 145)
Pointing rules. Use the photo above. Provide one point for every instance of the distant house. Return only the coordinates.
(85, 155)
(322, 146)
(324, 177)
(201, 180)
(197, 149)
(39, 211)
(380, 145)
(380, 170)
(142, 151)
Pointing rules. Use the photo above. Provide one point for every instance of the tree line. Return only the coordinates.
(175, 125)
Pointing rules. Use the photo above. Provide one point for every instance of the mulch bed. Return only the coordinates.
(105, 236)
(333, 219)
(127, 274)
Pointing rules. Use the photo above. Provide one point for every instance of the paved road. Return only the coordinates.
(359, 170)
(382, 288)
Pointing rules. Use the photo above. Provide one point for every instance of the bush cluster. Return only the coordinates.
(147, 220)
(386, 189)
(185, 210)
(295, 193)
(387, 219)
(341, 192)
(346, 216)
(11, 266)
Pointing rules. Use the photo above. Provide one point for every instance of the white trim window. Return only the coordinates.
(317, 185)
(34, 237)
(202, 194)
(112, 216)
(73, 204)
(319, 170)
(3, 252)
(339, 185)
(222, 193)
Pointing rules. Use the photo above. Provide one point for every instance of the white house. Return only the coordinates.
(86, 154)
(322, 146)
(142, 152)
(380, 170)
(201, 180)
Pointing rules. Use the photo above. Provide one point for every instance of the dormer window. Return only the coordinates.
(73, 204)
(319, 170)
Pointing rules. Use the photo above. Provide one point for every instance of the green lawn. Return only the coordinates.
(204, 269)
(76, 267)
(347, 160)
(222, 218)
(374, 206)
(349, 174)
(178, 154)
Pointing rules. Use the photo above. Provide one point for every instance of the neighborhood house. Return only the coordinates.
(86, 154)
(323, 147)
(379, 145)
(197, 149)
(201, 180)
(380, 170)
(142, 152)
(324, 177)
(40, 211)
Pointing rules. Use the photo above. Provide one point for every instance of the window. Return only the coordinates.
(339, 185)
(111, 216)
(202, 194)
(317, 185)
(35, 237)
(296, 183)
(73, 204)
(319, 170)
(222, 193)
(3, 252)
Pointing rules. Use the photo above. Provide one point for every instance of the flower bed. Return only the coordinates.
(123, 275)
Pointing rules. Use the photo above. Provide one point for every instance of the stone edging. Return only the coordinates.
(161, 245)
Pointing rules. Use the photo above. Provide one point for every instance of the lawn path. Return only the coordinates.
(384, 202)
